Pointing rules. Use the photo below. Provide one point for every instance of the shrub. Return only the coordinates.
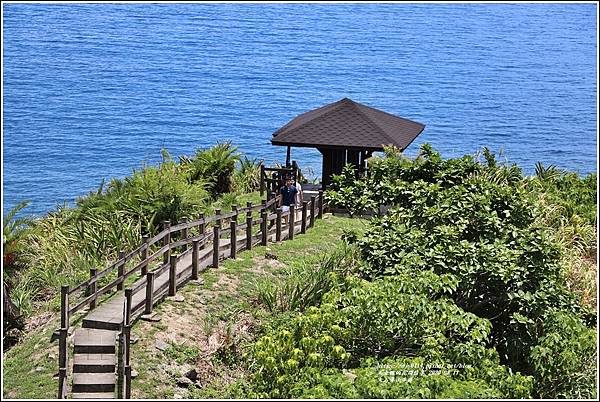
(304, 286)
(306, 356)
(565, 358)
(484, 224)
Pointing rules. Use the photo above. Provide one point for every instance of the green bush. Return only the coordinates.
(565, 358)
(304, 286)
(215, 165)
(362, 321)
(484, 224)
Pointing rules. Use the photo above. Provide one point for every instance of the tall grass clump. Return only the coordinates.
(305, 285)
(59, 248)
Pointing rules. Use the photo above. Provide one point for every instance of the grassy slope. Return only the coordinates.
(218, 315)
(195, 328)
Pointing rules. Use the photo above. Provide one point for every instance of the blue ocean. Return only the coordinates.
(90, 91)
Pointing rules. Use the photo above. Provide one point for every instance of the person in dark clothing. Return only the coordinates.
(288, 195)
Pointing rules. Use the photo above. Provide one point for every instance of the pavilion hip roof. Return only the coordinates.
(347, 124)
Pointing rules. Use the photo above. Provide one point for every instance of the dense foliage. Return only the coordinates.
(484, 224)
(41, 254)
(460, 290)
(403, 326)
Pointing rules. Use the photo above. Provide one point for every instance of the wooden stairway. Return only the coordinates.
(94, 363)
(95, 344)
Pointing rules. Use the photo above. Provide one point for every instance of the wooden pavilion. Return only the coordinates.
(346, 132)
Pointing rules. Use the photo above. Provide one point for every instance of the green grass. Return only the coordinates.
(224, 295)
(22, 381)
(19, 376)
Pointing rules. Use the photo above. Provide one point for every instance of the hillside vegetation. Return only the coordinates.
(59, 248)
(479, 282)
(465, 289)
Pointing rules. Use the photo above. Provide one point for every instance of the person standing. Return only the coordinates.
(288, 195)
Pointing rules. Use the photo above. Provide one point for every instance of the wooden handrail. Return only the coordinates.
(274, 169)
(159, 236)
(312, 209)
(145, 246)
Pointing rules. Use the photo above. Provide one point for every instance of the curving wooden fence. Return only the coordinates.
(207, 248)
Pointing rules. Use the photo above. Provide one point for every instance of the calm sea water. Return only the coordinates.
(92, 90)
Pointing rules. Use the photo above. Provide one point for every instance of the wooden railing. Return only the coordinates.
(272, 178)
(269, 222)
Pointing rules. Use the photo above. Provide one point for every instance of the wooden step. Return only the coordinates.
(93, 382)
(93, 395)
(100, 324)
(94, 363)
(88, 340)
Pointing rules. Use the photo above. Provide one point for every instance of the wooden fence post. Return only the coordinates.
(320, 204)
(172, 275)
(144, 268)
(262, 179)
(313, 200)
(278, 225)
(292, 221)
(126, 345)
(166, 241)
(93, 287)
(217, 234)
(149, 293)
(249, 229)
(62, 342)
(274, 183)
(121, 270)
(218, 221)
(304, 212)
(263, 227)
(233, 238)
(184, 234)
(202, 225)
(234, 208)
(195, 249)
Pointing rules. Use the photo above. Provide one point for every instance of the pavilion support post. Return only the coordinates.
(288, 156)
